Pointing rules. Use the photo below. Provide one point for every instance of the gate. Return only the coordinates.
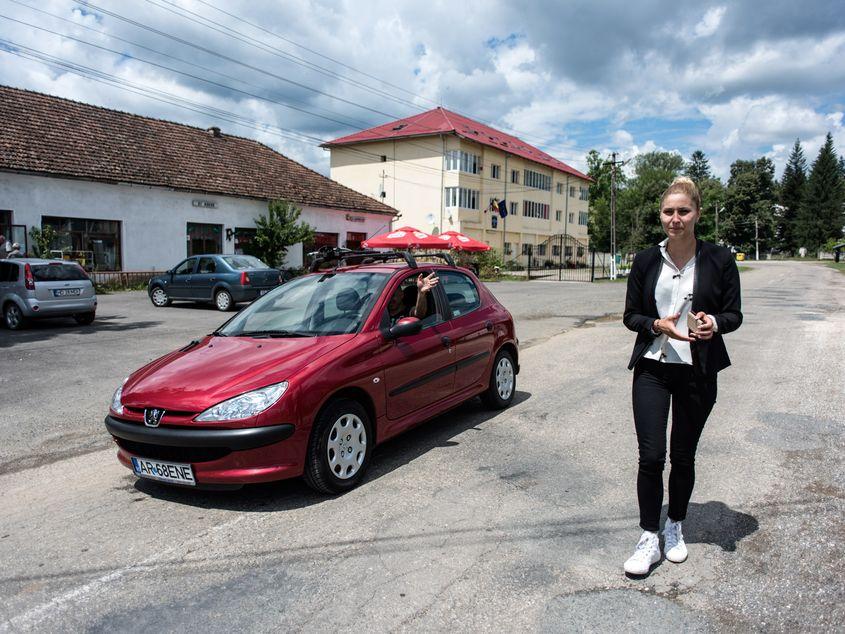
(564, 258)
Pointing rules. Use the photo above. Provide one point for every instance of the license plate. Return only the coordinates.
(263, 291)
(66, 292)
(164, 471)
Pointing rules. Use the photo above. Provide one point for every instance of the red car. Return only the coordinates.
(306, 380)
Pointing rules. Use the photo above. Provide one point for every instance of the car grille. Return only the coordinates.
(176, 454)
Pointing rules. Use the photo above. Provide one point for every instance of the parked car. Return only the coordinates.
(309, 378)
(32, 288)
(224, 280)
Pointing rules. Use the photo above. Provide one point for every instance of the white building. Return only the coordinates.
(127, 192)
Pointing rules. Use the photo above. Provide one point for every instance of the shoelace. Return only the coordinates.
(644, 548)
(673, 536)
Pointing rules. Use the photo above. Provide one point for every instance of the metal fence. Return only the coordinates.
(563, 258)
(122, 279)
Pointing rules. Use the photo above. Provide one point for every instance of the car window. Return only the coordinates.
(186, 267)
(8, 272)
(328, 304)
(55, 272)
(404, 298)
(207, 265)
(244, 262)
(461, 292)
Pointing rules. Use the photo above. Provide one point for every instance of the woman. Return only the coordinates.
(670, 286)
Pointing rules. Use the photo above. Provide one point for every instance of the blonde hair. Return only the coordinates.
(683, 185)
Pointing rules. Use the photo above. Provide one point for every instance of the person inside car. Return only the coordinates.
(404, 304)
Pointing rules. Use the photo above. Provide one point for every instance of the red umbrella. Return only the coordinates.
(460, 242)
(403, 238)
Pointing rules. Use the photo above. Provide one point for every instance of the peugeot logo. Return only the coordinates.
(152, 417)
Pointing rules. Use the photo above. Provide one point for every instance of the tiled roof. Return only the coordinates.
(442, 121)
(49, 135)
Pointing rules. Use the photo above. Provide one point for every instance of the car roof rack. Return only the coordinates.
(343, 257)
(446, 257)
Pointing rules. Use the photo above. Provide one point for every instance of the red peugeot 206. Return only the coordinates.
(306, 380)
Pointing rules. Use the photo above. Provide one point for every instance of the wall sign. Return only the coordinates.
(205, 204)
(352, 218)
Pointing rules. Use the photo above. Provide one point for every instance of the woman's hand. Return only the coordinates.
(705, 330)
(425, 284)
(667, 326)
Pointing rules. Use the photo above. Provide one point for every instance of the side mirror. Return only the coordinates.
(405, 327)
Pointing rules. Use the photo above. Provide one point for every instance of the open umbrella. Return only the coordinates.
(460, 242)
(403, 238)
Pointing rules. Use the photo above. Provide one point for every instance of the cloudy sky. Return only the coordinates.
(737, 80)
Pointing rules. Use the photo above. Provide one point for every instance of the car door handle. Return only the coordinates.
(488, 325)
(446, 341)
(212, 279)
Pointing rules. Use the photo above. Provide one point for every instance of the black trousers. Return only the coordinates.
(692, 398)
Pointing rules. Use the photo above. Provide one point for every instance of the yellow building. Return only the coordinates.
(442, 171)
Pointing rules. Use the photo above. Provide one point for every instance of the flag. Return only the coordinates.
(503, 208)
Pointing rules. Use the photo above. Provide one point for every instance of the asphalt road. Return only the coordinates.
(513, 521)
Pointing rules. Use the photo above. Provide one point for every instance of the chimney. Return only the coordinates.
(214, 131)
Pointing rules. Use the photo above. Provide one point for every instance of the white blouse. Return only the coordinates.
(673, 294)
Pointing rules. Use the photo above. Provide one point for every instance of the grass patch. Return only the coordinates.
(107, 289)
(504, 278)
(839, 266)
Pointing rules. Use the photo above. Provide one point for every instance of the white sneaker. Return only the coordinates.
(646, 554)
(673, 545)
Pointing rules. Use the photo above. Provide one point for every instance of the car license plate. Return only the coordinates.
(164, 471)
(66, 292)
(263, 291)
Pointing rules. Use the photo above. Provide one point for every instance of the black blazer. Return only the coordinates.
(715, 291)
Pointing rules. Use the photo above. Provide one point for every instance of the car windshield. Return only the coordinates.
(327, 304)
(244, 262)
(58, 273)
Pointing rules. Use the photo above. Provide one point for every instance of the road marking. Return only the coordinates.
(31, 618)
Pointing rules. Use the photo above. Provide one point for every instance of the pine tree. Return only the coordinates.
(698, 167)
(821, 216)
(792, 187)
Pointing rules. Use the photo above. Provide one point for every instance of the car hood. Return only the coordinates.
(217, 368)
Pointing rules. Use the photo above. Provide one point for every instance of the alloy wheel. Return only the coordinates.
(223, 300)
(159, 297)
(347, 446)
(504, 378)
(14, 317)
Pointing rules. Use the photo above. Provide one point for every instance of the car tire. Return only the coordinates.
(340, 447)
(84, 319)
(13, 316)
(502, 386)
(159, 297)
(223, 301)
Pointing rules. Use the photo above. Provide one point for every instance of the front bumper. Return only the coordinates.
(218, 456)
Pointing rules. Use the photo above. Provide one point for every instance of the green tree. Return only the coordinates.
(792, 185)
(821, 216)
(698, 167)
(279, 230)
(598, 224)
(750, 199)
(42, 240)
(638, 205)
(712, 198)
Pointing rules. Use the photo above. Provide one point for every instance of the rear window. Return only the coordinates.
(58, 273)
(244, 262)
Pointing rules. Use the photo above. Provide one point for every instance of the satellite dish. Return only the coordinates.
(430, 219)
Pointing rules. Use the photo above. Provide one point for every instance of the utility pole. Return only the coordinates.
(613, 164)
(756, 241)
(717, 222)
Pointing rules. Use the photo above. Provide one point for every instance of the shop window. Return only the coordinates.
(244, 241)
(354, 239)
(95, 244)
(204, 238)
(321, 239)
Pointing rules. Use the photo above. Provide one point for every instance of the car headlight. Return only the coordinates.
(116, 405)
(245, 405)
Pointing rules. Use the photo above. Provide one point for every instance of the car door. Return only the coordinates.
(471, 328)
(419, 369)
(203, 280)
(180, 280)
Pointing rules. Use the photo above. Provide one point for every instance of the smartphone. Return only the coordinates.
(693, 323)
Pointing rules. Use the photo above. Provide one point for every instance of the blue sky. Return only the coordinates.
(737, 80)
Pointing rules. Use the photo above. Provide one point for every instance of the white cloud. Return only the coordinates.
(710, 22)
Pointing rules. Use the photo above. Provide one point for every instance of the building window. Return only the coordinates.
(244, 241)
(572, 191)
(507, 248)
(559, 188)
(204, 238)
(93, 243)
(321, 239)
(462, 197)
(527, 248)
(514, 209)
(580, 252)
(495, 171)
(585, 193)
(515, 177)
(571, 217)
(538, 180)
(530, 209)
(582, 218)
(354, 239)
(458, 160)
(558, 215)
(541, 249)
(567, 252)
(555, 249)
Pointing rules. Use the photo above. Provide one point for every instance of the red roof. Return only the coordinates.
(49, 135)
(442, 121)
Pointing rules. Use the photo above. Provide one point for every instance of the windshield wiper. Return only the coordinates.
(218, 333)
(273, 334)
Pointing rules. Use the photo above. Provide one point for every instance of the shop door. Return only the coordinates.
(204, 239)
(354, 240)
